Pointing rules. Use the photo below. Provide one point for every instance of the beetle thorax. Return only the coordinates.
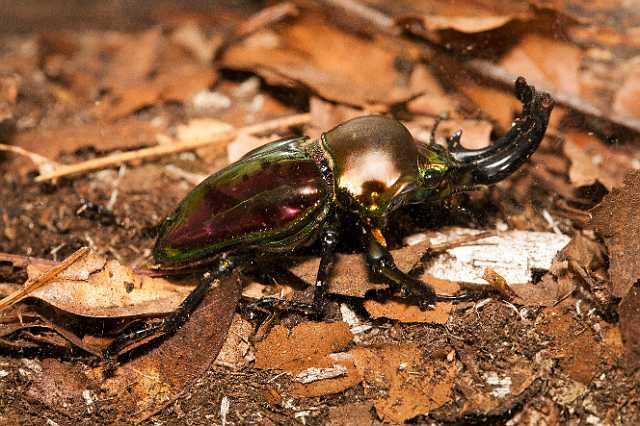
(373, 158)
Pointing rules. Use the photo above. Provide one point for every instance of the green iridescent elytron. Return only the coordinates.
(292, 192)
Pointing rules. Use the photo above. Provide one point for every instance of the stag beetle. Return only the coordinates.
(291, 192)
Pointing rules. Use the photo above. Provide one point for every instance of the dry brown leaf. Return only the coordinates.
(463, 16)
(60, 385)
(629, 311)
(591, 159)
(548, 292)
(403, 383)
(331, 65)
(190, 36)
(498, 282)
(127, 133)
(404, 312)
(305, 346)
(401, 311)
(149, 382)
(497, 104)
(546, 62)
(356, 414)
(626, 98)
(616, 218)
(350, 276)
(177, 83)
(245, 143)
(235, 352)
(9, 88)
(134, 60)
(433, 101)
(326, 115)
(97, 287)
(579, 351)
(310, 345)
(485, 391)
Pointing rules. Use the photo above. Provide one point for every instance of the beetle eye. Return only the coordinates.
(432, 178)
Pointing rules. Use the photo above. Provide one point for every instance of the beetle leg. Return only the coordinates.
(173, 322)
(382, 264)
(329, 237)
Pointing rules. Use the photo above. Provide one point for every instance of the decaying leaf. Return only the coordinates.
(97, 287)
(629, 324)
(579, 351)
(61, 386)
(330, 65)
(358, 414)
(150, 381)
(402, 311)
(463, 16)
(237, 350)
(310, 349)
(626, 99)
(616, 218)
(498, 282)
(515, 255)
(402, 382)
(546, 62)
(591, 159)
(485, 391)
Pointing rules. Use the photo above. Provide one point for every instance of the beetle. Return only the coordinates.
(292, 192)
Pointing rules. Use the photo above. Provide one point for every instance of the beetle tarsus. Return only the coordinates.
(268, 304)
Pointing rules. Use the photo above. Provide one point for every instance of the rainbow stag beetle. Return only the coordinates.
(291, 192)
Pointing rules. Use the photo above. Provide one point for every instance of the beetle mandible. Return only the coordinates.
(291, 192)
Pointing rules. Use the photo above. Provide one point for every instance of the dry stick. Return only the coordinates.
(43, 279)
(264, 18)
(379, 19)
(37, 159)
(156, 151)
(21, 261)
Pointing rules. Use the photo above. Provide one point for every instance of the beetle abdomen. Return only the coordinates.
(269, 199)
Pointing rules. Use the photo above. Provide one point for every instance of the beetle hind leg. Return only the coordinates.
(174, 321)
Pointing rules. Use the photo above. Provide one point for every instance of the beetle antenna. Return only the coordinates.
(439, 119)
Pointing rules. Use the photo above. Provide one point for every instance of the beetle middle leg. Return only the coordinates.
(173, 322)
(329, 237)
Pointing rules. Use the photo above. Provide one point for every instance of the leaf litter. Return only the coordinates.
(70, 96)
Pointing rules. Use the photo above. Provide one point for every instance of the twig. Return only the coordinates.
(43, 163)
(21, 261)
(43, 279)
(264, 18)
(369, 14)
(448, 245)
(156, 151)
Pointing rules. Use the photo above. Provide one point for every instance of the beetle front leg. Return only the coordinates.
(382, 264)
(173, 322)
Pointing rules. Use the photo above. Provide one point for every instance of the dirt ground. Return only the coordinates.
(562, 349)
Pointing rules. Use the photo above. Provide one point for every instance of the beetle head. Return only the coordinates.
(438, 173)
(442, 172)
